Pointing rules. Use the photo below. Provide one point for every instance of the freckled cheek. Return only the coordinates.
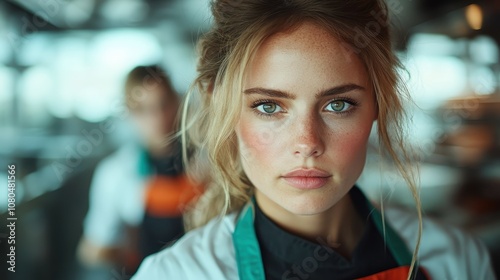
(258, 143)
(352, 145)
(348, 152)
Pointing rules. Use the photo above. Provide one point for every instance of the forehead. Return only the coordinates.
(307, 54)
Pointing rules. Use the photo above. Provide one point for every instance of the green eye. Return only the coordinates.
(338, 106)
(269, 108)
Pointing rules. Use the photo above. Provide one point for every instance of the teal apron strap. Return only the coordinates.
(248, 257)
(395, 243)
(143, 166)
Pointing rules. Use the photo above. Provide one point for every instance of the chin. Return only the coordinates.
(307, 204)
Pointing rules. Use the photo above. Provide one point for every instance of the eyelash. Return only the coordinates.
(259, 102)
(347, 100)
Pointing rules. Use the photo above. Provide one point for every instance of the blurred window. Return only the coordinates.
(7, 78)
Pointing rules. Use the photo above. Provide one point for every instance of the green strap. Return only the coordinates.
(395, 243)
(143, 165)
(247, 249)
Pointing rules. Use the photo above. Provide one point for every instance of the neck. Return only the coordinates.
(158, 152)
(158, 149)
(340, 226)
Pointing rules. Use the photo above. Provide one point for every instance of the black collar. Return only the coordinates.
(282, 252)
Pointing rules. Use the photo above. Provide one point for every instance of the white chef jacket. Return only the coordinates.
(213, 252)
(116, 196)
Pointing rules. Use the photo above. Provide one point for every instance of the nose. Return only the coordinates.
(309, 141)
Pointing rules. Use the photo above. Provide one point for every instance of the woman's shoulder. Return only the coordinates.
(203, 253)
(446, 252)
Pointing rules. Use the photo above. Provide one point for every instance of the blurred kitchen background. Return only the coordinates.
(62, 68)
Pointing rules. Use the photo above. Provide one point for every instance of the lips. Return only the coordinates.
(307, 178)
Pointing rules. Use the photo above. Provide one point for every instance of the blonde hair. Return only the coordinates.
(211, 107)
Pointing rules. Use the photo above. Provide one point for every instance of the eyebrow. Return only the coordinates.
(339, 90)
(283, 94)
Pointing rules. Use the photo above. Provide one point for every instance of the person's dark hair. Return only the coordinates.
(143, 78)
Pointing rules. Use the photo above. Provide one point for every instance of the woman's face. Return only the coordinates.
(308, 109)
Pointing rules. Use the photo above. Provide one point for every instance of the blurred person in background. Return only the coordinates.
(138, 193)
